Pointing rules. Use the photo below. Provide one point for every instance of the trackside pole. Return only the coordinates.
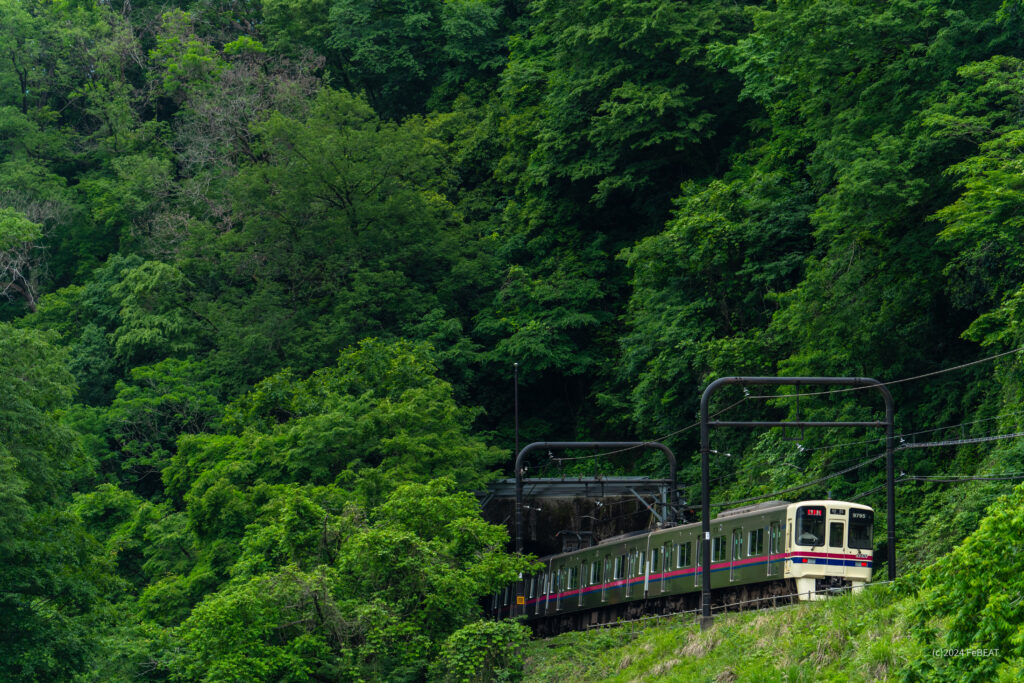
(706, 620)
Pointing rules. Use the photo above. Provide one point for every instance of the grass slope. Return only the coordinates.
(861, 637)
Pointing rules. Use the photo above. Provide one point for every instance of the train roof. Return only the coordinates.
(756, 507)
(767, 506)
(628, 534)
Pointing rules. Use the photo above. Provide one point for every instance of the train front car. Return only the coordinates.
(828, 546)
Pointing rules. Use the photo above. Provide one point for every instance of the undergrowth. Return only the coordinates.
(864, 637)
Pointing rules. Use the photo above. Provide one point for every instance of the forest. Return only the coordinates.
(267, 266)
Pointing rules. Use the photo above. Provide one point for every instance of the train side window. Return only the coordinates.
(640, 556)
(506, 596)
(572, 578)
(776, 539)
(655, 560)
(755, 542)
(835, 535)
(718, 549)
(683, 555)
(620, 562)
(595, 572)
(533, 585)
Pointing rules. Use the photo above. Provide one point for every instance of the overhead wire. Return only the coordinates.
(961, 424)
(936, 478)
(747, 397)
(941, 479)
(645, 444)
(814, 482)
(894, 381)
(805, 485)
(961, 442)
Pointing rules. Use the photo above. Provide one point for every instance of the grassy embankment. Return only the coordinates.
(850, 638)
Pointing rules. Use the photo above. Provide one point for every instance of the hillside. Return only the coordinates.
(266, 270)
(861, 638)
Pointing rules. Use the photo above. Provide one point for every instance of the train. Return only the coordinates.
(760, 554)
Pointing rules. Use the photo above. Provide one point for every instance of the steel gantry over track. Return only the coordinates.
(705, 428)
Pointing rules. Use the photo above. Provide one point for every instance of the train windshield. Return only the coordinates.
(861, 523)
(810, 525)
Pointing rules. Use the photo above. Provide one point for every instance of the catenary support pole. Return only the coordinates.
(705, 449)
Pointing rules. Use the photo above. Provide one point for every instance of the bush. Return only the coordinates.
(482, 651)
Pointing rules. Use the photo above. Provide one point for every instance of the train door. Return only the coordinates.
(531, 602)
(604, 584)
(666, 559)
(630, 569)
(583, 582)
(700, 564)
(620, 572)
(559, 586)
(837, 547)
(789, 545)
(652, 554)
(774, 548)
(737, 554)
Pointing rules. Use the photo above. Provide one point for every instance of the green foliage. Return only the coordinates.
(185, 61)
(482, 651)
(863, 637)
(155, 318)
(406, 55)
(279, 248)
(86, 316)
(320, 594)
(978, 224)
(51, 572)
(608, 97)
(705, 288)
(380, 410)
(970, 598)
(152, 408)
(16, 229)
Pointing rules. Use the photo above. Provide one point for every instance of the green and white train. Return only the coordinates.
(759, 554)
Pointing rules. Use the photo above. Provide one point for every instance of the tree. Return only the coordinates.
(351, 597)
(51, 573)
(19, 257)
(343, 235)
